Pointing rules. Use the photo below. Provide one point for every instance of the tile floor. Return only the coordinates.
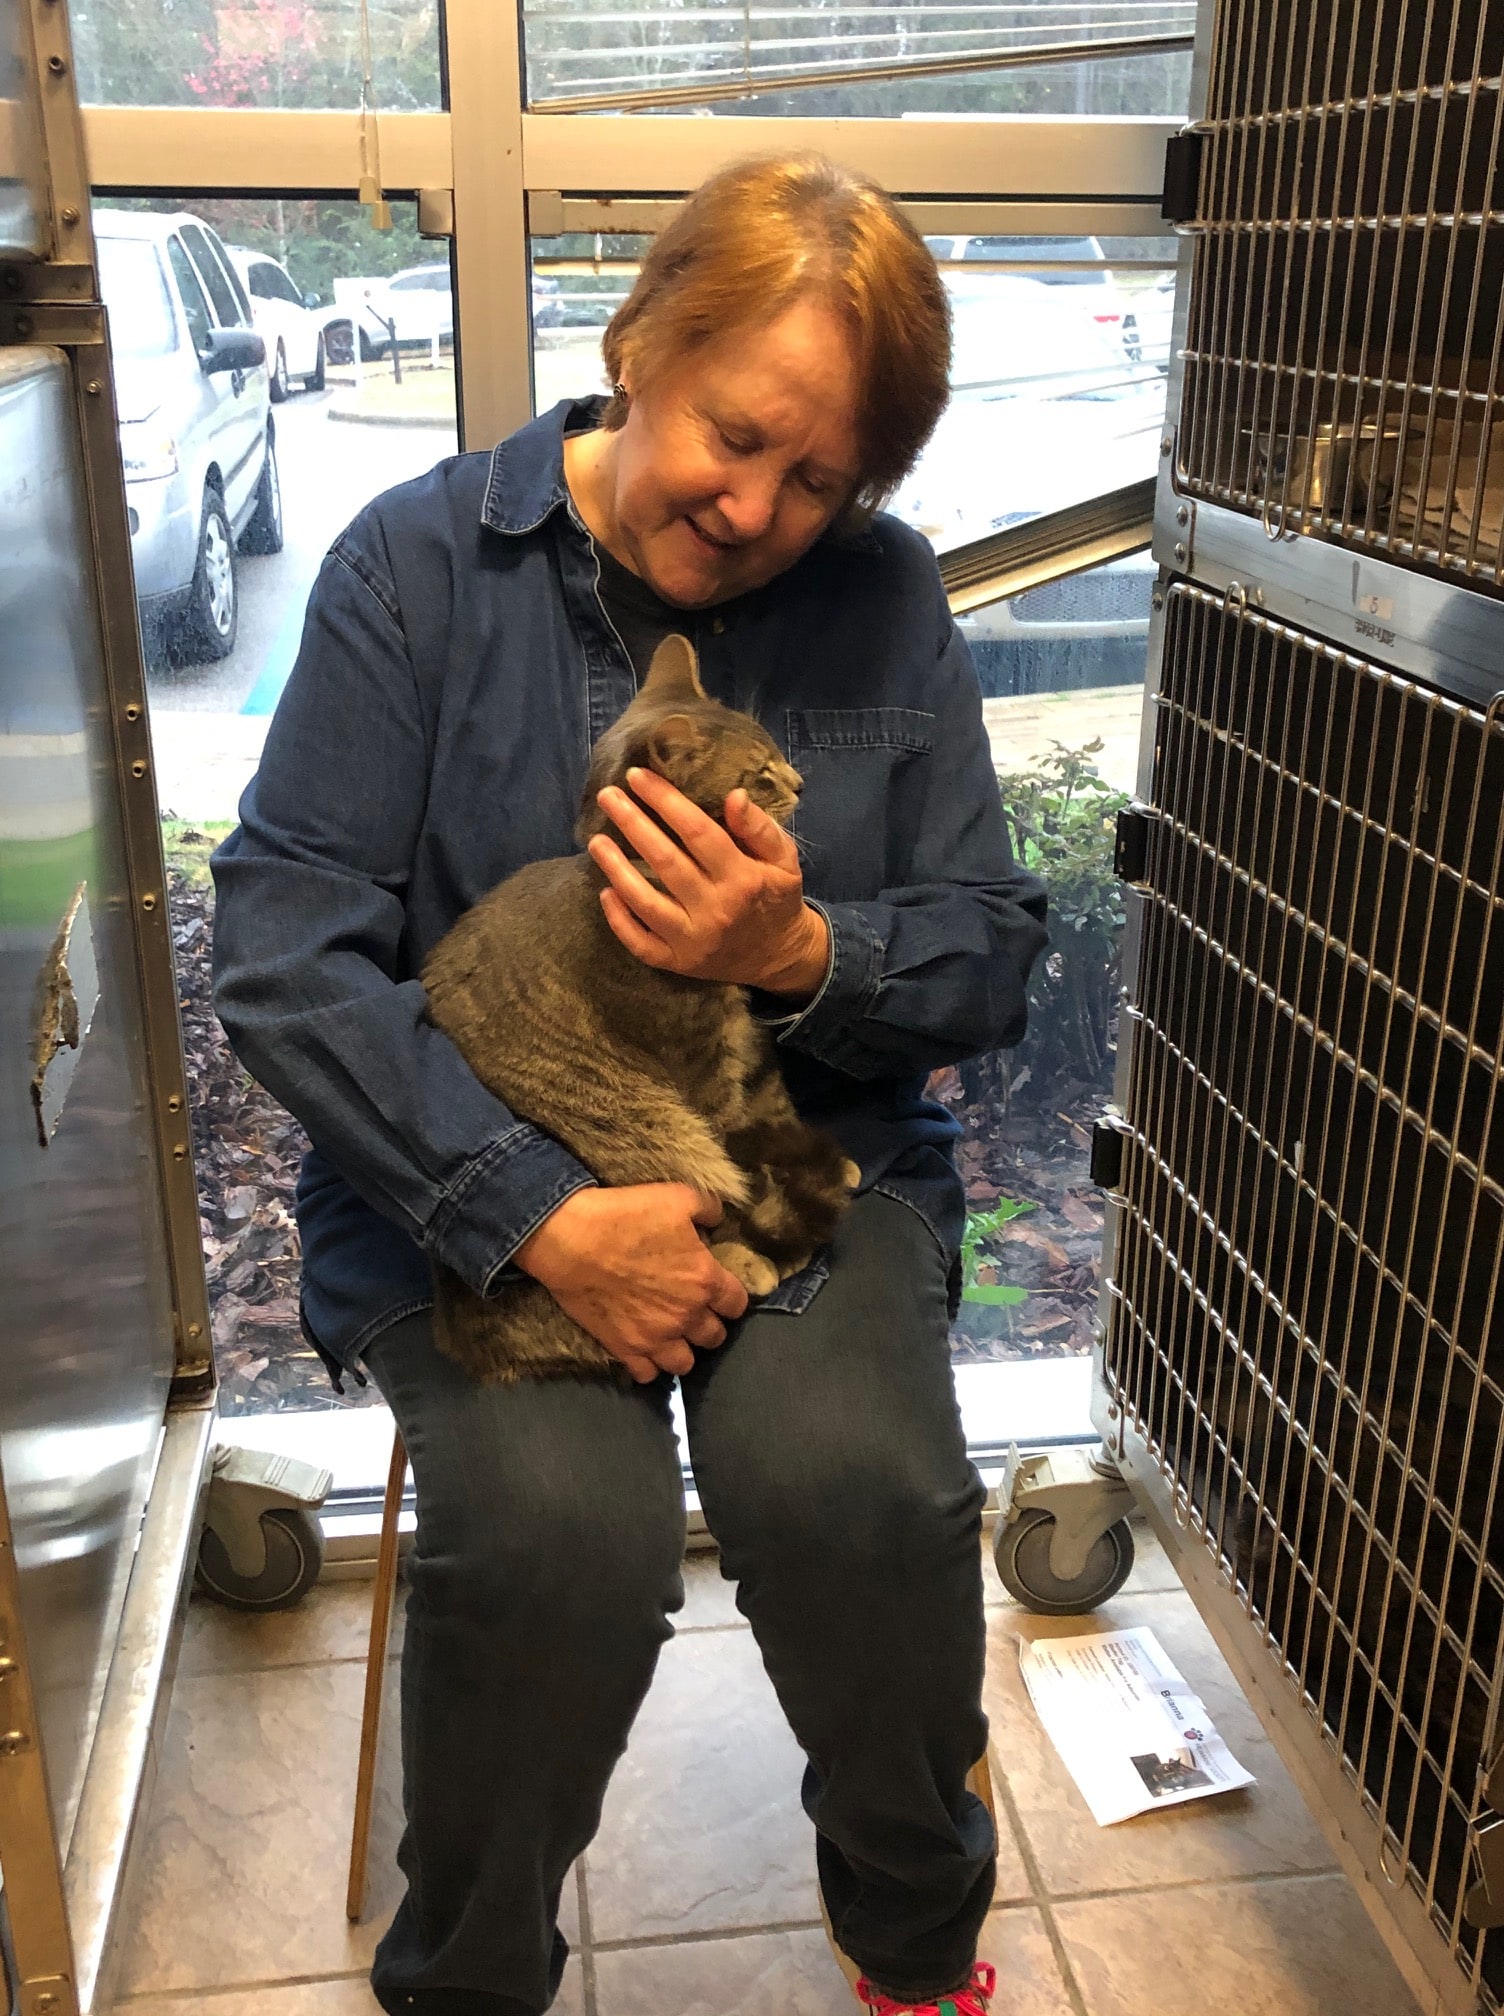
(697, 1898)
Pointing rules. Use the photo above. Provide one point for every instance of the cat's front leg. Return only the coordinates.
(755, 1271)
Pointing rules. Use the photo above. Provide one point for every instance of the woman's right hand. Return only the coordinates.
(630, 1267)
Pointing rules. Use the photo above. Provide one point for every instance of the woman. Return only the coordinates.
(777, 369)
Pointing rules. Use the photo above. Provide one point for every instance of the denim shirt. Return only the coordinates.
(456, 666)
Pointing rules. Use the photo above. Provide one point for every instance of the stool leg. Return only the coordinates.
(376, 1651)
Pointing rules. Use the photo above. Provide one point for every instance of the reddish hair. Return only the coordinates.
(758, 236)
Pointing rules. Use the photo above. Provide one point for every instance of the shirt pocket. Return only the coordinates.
(866, 773)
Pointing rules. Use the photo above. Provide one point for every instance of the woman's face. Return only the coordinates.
(727, 469)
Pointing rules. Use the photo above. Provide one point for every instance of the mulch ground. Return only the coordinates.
(247, 1149)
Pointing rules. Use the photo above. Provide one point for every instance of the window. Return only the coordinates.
(303, 53)
(191, 294)
(270, 283)
(1057, 378)
(1062, 672)
(786, 48)
(142, 323)
(227, 308)
(346, 428)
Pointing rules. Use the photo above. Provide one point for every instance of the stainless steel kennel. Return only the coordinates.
(1302, 1358)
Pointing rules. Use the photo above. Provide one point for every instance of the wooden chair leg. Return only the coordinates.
(376, 1654)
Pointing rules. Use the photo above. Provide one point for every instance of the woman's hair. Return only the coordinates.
(762, 234)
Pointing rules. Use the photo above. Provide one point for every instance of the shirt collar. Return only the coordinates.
(527, 475)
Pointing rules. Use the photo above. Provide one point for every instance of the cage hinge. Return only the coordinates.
(1108, 1137)
(1182, 175)
(1130, 849)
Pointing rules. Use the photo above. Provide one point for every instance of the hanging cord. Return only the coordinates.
(370, 135)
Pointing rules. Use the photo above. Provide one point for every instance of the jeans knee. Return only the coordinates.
(551, 1562)
(870, 1518)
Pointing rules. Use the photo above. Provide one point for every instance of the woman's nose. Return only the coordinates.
(749, 506)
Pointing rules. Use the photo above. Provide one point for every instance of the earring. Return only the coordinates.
(619, 391)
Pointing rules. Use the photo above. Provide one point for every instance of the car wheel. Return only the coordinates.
(314, 382)
(264, 532)
(206, 629)
(339, 346)
(280, 385)
(370, 350)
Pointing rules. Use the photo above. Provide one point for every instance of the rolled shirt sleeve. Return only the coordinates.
(311, 982)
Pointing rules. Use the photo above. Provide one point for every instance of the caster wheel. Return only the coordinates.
(1021, 1550)
(294, 1557)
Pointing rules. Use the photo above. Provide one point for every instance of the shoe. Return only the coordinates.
(975, 1999)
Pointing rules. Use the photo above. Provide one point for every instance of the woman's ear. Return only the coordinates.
(675, 671)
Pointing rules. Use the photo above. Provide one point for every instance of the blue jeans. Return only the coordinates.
(831, 1464)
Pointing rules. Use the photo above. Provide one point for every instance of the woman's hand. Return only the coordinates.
(732, 905)
(630, 1267)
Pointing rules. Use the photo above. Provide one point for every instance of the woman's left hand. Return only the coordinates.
(732, 905)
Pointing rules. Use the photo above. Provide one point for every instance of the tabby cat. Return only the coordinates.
(645, 1076)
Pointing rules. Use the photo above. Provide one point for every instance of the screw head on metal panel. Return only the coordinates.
(195, 1331)
(133, 711)
(12, 1742)
(24, 325)
(57, 66)
(138, 768)
(1157, 600)
(69, 214)
(1183, 515)
(1167, 444)
(1180, 550)
(175, 1103)
(94, 388)
(148, 902)
(179, 1153)
(10, 279)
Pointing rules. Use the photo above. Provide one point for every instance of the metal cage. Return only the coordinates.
(1343, 370)
(1302, 1356)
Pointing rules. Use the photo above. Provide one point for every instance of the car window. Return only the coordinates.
(270, 283)
(134, 286)
(407, 283)
(191, 293)
(228, 267)
(227, 309)
(437, 282)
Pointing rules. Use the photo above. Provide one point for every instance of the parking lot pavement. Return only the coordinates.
(1022, 731)
(328, 472)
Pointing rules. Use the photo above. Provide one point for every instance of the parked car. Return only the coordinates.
(1078, 262)
(291, 324)
(418, 302)
(1045, 411)
(196, 433)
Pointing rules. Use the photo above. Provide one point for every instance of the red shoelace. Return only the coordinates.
(972, 2000)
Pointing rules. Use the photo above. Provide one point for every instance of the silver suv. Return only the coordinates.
(196, 432)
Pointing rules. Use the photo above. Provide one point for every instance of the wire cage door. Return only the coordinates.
(1303, 1324)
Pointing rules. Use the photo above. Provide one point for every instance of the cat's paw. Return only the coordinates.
(757, 1274)
(851, 1174)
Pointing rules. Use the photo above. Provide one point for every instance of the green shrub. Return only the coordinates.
(1062, 819)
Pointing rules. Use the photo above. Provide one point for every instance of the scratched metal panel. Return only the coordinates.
(86, 1331)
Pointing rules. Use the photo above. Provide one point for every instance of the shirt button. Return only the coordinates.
(718, 626)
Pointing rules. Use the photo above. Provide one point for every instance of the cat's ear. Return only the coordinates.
(673, 738)
(675, 671)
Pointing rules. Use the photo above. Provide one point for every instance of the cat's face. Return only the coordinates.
(704, 749)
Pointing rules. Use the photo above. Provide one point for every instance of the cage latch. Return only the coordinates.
(1182, 175)
(1484, 1906)
(1130, 849)
(1107, 1138)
